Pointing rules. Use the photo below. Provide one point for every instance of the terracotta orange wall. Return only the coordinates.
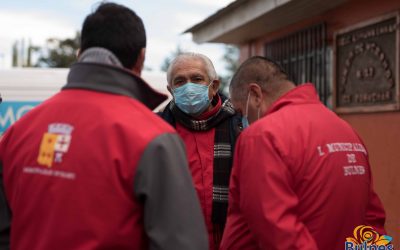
(380, 131)
(381, 134)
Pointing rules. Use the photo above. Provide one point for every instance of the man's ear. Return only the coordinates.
(256, 91)
(213, 89)
(215, 86)
(78, 53)
(138, 67)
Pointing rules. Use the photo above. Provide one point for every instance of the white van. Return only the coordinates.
(23, 88)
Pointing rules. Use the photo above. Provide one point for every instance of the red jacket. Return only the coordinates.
(200, 151)
(301, 180)
(200, 146)
(94, 168)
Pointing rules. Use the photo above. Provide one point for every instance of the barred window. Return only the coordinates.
(305, 57)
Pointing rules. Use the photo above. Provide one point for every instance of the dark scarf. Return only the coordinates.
(223, 153)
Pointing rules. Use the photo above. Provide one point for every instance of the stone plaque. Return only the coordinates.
(367, 66)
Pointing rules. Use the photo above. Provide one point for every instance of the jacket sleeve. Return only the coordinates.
(375, 215)
(172, 215)
(266, 195)
(5, 215)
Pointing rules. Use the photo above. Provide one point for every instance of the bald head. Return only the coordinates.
(262, 71)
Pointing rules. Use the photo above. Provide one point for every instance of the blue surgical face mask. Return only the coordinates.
(245, 122)
(192, 98)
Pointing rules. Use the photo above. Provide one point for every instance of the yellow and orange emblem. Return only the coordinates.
(46, 152)
(52, 147)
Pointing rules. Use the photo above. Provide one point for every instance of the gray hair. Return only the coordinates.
(212, 74)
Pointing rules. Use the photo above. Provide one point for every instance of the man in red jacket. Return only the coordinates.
(208, 125)
(93, 167)
(301, 177)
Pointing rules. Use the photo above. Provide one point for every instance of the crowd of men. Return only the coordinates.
(94, 168)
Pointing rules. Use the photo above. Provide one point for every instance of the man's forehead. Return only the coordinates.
(188, 66)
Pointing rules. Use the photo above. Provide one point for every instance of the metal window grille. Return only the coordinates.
(303, 55)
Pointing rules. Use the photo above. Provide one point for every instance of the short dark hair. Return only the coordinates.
(116, 28)
(257, 69)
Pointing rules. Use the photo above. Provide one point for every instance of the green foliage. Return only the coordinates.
(59, 53)
(15, 54)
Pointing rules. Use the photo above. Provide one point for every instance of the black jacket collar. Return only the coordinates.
(115, 80)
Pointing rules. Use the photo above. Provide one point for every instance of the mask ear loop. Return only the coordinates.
(208, 87)
(247, 104)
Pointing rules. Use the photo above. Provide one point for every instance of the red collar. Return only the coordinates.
(302, 94)
(211, 112)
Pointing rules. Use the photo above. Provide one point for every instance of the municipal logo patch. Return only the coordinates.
(55, 143)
